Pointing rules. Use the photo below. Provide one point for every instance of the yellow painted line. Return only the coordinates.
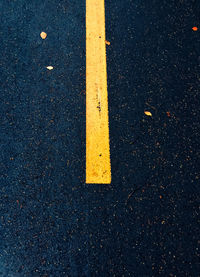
(98, 168)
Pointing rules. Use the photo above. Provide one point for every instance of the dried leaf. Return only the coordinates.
(148, 113)
(195, 28)
(43, 35)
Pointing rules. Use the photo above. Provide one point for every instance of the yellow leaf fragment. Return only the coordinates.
(148, 113)
(107, 42)
(43, 35)
(50, 67)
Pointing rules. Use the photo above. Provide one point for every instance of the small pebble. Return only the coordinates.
(50, 67)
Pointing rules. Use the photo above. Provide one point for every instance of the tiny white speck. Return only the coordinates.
(50, 67)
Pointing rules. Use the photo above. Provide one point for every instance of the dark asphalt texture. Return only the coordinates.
(145, 223)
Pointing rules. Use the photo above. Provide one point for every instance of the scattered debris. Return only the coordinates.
(168, 114)
(43, 35)
(107, 42)
(195, 28)
(148, 113)
(50, 67)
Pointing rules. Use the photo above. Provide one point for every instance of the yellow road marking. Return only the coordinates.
(98, 168)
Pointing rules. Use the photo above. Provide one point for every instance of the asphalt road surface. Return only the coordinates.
(145, 223)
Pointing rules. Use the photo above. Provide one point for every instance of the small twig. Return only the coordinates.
(134, 191)
(150, 106)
